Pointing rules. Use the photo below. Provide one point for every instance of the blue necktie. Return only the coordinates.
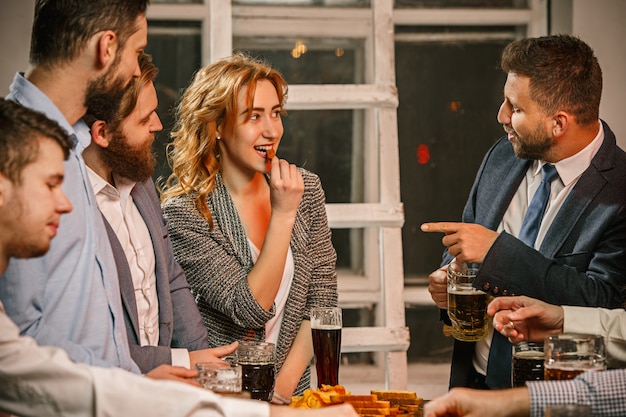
(536, 208)
(499, 363)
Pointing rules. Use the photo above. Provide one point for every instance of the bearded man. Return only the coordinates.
(546, 216)
(163, 323)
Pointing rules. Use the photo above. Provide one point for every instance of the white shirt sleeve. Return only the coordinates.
(43, 381)
(180, 357)
(611, 324)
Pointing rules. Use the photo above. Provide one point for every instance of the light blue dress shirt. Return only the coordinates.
(70, 297)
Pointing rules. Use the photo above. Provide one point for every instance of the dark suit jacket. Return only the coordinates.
(180, 323)
(582, 259)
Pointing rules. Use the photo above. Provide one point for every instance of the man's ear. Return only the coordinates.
(560, 123)
(107, 48)
(99, 134)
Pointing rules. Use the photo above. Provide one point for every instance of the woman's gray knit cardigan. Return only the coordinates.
(217, 262)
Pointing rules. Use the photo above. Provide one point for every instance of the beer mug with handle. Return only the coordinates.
(467, 306)
(568, 355)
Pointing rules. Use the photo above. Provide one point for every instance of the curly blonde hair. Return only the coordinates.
(209, 104)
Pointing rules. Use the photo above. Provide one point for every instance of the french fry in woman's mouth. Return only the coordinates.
(270, 153)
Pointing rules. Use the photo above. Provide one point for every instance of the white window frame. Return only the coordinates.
(382, 215)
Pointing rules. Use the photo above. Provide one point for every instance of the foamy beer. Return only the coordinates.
(326, 328)
(569, 355)
(467, 306)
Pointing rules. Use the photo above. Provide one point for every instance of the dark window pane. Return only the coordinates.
(449, 96)
(309, 60)
(175, 49)
(322, 141)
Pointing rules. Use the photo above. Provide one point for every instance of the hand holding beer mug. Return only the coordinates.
(326, 331)
(467, 306)
(568, 355)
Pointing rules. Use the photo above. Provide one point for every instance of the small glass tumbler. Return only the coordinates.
(222, 378)
(257, 361)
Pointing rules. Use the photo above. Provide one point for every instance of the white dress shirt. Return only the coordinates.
(117, 205)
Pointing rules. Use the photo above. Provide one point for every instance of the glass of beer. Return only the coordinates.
(467, 306)
(568, 355)
(257, 368)
(326, 330)
(528, 358)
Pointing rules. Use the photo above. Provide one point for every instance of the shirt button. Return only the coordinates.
(486, 286)
(496, 290)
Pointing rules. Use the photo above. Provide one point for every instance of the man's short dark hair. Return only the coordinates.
(21, 130)
(564, 74)
(62, 28)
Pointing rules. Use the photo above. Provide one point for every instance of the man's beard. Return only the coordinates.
(105, 93)
(134, 163)
(535, 145)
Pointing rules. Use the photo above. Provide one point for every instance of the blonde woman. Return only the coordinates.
(249, 229)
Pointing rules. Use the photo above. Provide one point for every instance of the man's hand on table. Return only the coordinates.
(174, 373)
(465, 402)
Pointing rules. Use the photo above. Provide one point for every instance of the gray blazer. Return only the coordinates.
(180, 323)
(582, 259)
(217, 262)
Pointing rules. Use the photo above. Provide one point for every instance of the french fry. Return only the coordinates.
(318, 398)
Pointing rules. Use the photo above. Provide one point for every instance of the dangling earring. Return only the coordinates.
(218, 138)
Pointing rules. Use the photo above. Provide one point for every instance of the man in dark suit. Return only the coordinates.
(163, 323)
(550, 113)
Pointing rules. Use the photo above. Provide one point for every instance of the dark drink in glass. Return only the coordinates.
(326, 326)
(257, 361)
(258, 380)
(528, 361)
(327, 348)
